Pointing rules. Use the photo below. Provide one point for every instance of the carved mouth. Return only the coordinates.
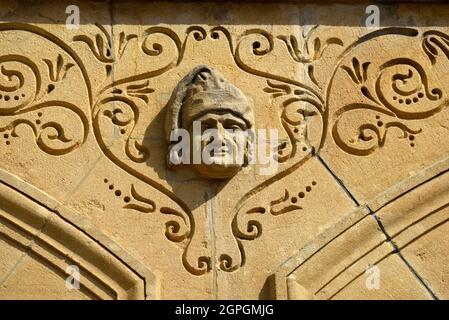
(220, 154)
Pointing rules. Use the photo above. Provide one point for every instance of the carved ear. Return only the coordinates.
(173, 115)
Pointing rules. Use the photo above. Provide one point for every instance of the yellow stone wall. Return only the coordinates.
(356, 207)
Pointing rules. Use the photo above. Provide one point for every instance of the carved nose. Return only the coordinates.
(221, 131)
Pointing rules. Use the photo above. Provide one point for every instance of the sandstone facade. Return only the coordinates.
(356, 208)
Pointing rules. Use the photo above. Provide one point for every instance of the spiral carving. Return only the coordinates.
(19, 83)
(52, 137)
(402, 93)
(370, 133)
(151, 47)
(123, 113)
(20, 95)
(402, 87)
(179, 229)
(252, 229)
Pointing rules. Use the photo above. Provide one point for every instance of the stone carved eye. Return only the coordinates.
(232, 126)
(205, 125)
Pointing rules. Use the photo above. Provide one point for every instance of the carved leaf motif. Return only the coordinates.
(140, 91)
(283, 205)
(146, 206)
(306, 55)
(58, 72)
(101, 47)
(403, 93)
(358, 74)
(434, 40)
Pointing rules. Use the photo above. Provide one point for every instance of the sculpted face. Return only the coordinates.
(217, 116)
(221, 142)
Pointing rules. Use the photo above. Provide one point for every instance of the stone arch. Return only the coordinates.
(40, 238)
(402, 231)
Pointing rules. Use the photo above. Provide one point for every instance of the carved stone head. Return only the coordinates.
(205, 100)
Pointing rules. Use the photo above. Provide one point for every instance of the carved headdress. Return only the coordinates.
(202, 91)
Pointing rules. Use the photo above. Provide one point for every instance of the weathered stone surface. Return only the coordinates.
(351, 202)
(416, 224)
(339, 270)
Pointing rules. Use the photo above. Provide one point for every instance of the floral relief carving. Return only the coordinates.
(397, 92)
(392, 95)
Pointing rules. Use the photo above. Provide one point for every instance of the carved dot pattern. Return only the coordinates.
(414, 99)
(7, 97)
(301, 194)
(7, 136)
(411, 138)
(117, 192)
(380, 124)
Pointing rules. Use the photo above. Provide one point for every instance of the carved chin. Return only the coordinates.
(217, 171)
